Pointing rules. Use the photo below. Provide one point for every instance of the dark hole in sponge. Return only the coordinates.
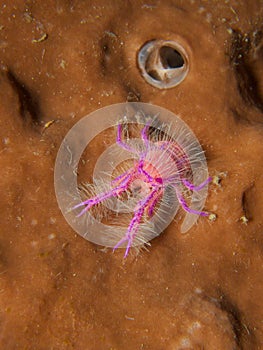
(170, 57)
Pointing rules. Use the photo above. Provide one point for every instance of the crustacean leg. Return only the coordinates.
(120, 141)
(184, 205)
(124, 181)
(135, 222)
(192, 187)
(144, 135)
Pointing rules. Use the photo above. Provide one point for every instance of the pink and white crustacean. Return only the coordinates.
(151, 168)
(158, 166)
